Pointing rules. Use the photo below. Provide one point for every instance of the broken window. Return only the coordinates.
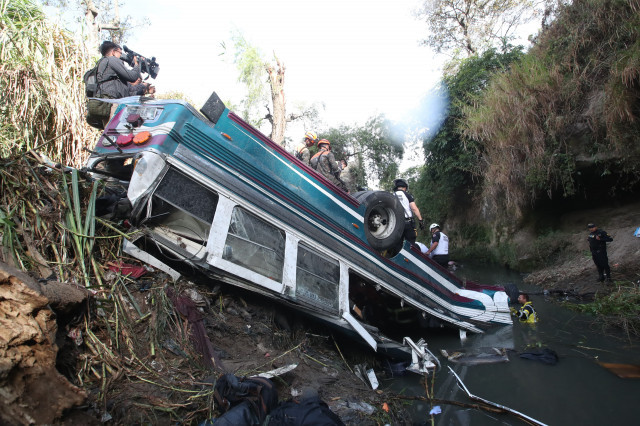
(184, 206)
(188, 195)
(120, 167)
(317, 279)
(255, 244)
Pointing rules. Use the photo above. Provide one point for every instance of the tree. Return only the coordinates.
(473, 26)
(452, 158)
(276, 83)
(98, 16)
(370, 148)
(252, 68)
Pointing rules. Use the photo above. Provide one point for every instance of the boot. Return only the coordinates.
(607, 278)
(601, 278)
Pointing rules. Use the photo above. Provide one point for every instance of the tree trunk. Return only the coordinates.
(278, 118)
(93, 27)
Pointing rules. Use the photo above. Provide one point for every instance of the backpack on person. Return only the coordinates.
(315, 160)
(97, 111)
(245, 400)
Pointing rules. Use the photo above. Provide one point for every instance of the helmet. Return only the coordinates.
(324, 141)
(311, 136)
(400, 183)
(434, 225)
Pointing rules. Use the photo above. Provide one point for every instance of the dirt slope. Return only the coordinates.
(574, 269)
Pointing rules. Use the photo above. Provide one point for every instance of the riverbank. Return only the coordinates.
(573, 269)
(133, 346)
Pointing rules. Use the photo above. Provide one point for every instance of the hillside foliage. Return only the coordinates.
(570, 107)
(528, 133)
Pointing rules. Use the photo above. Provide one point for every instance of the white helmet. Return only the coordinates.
(434, 225)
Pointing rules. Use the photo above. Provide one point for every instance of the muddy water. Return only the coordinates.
(575, 391)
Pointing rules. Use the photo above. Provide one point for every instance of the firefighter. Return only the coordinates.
(325, 163)
(411, 210)
(526, 313)
(302, 152)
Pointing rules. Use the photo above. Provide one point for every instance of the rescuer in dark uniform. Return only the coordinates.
(411, 210)
(598, 240)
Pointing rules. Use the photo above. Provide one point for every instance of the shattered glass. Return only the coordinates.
(317, 279)
(255, 245)
(188, 195)
(184, 206)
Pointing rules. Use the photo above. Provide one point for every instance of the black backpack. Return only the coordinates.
(91, 83)
(97, 111)
(244, 397)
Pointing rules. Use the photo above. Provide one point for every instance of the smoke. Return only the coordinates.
(420, 124)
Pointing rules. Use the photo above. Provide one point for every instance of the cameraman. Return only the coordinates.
(113, 75)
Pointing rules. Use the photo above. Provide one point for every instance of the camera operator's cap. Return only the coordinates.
(591, 225)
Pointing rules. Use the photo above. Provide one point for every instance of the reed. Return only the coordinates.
(41, 88)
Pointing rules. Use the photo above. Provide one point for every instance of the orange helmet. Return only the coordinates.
(310, 138)
(324, 141)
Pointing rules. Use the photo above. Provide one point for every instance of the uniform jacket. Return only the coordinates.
(596, 245)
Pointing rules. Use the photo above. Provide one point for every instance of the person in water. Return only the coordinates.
(526, 313)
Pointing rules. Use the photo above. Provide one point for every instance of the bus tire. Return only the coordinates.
(383, 219)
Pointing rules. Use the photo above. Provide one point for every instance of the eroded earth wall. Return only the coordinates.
(31, 389)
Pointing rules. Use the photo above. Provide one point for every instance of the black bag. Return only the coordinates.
(97, 111)
(309, 411)
(257, 393)
(91, 83)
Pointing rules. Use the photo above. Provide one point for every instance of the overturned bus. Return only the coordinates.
(209, 189)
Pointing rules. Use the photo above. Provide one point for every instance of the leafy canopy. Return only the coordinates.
(370, 149)
(452, 157)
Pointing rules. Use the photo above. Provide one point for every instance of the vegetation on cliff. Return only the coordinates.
(556, 129)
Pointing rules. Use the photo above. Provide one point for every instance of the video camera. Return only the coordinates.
(149, 66)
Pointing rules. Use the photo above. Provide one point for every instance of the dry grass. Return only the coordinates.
(48, 228)
(582, 78)
(43, 100)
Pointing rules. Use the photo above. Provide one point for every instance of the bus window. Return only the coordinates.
(255, 244)
(317, 279)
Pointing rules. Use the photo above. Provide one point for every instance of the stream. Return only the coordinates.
(576, 390)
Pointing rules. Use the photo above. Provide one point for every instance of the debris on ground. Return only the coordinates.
(476, 356)
(90, 335)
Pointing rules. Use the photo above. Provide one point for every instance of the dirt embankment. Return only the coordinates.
(573, 269)
(28, 328)
(154, 356)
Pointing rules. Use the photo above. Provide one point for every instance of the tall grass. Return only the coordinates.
(42, 101)
(577, 92)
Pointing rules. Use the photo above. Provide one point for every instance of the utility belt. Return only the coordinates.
(409, 220)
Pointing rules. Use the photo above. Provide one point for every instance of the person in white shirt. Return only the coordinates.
(439, 250)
